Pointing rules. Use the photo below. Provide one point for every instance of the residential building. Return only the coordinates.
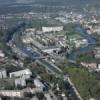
(38, 84)
(3, 73)
(52, 29)
(48, 96)
(22, 73)
(97, 53)
(34, 98)
(11, 93)
(20, 81)
(2, 54)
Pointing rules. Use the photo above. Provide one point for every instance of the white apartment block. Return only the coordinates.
(22, 73)
(11, 93)
(52, 29)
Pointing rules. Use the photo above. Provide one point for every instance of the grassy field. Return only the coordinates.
(88, 84)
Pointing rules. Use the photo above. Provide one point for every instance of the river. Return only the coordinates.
(89, 48)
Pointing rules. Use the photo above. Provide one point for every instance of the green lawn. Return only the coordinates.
(88, 84)
(88, 57)
(61, 33)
